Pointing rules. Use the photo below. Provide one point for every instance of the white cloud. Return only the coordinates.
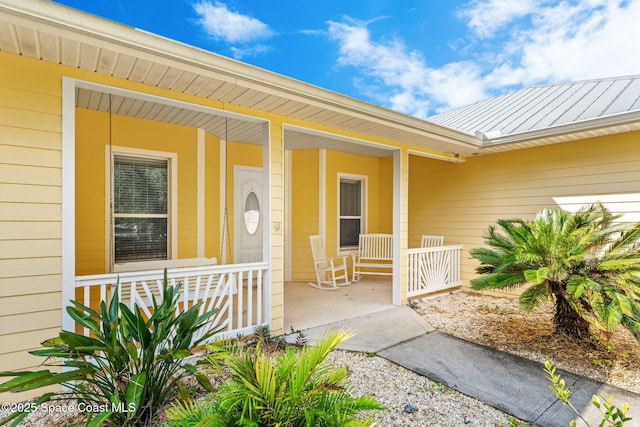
(559, 40)
(244, 51)
(401, 77)
(486, 17)
(580, 41)
(514, 44)
(233, 27)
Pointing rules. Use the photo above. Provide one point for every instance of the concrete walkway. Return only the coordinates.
(510, 383)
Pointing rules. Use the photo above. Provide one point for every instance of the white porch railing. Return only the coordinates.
(236, 290)
(433, 269)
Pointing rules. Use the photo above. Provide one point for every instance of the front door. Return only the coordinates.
(248, 220)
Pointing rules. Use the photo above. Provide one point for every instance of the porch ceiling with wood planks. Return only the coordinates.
(58, 34)
(221, 123)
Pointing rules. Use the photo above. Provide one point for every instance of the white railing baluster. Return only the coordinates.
(87, 302)
(133, 294)
(240, 288)
(206, 297)
(259, 300)
(250, 298)
(185, 293)
(230, 286)
(218, 293)
(196, 290)
(103, 292)
(146, 302)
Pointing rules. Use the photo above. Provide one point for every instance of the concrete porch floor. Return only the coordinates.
(306, 307)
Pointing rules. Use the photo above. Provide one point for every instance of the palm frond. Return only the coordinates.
(534, 296)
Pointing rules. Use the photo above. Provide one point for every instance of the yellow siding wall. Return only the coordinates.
(212, 197)
(461, 200)
(92, 136)
(385, 196)
(30, 211)
(305, 182)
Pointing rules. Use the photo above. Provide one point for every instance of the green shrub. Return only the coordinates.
(293, 388)
(129, 366)
(611, 415)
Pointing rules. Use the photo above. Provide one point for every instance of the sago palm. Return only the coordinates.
(295, 388)
(586, 262)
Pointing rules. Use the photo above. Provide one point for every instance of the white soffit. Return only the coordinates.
(298, 138)
(224, 125)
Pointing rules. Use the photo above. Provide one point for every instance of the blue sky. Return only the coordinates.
(419, 57)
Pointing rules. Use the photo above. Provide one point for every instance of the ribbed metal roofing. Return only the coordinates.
(542, 107)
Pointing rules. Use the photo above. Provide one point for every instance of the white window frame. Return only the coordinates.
(363, 209)
(172, 210)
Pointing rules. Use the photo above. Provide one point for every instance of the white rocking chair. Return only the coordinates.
(329, 273)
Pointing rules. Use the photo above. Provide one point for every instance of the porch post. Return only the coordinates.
(400, 225)
(68, 198)
(201, 194)
(274, 223)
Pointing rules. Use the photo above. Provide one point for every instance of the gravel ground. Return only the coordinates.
(487, 320)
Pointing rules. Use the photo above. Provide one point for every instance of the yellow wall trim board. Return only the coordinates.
(322, 192)
(201, 194)
(223, 199)
(287, 218)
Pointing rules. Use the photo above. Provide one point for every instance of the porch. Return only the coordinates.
(238, 188)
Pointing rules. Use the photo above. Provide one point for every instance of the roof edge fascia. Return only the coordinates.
(564, 129)
(70, 19)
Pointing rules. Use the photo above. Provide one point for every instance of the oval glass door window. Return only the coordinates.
(251, 213)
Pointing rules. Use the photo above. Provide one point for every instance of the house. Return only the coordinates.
(240, 165)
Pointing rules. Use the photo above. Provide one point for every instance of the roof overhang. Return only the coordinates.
(602, 126)
(54, 33)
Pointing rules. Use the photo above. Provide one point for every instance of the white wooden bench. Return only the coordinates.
(430, 241)
(375, 256)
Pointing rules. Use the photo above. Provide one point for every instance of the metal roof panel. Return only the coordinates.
(543, 107)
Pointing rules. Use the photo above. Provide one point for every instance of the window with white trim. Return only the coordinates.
(351, 211)
(140, 208)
